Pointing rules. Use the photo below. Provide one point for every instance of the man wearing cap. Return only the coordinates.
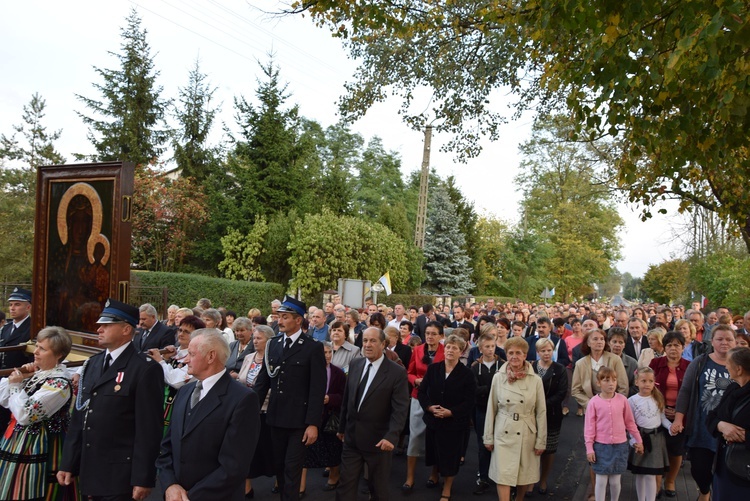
(295, 374)
(18, 328)
(117, 422)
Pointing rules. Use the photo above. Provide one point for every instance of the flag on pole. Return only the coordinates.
(385, 280)
(704, 302)
(552, 292)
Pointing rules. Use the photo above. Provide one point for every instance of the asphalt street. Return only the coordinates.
(569, 466)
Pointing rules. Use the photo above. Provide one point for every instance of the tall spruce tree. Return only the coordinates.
(446, 263)
(128, 121)
(268, 158)
(194, 157)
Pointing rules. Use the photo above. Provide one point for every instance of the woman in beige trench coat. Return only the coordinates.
(515, 428)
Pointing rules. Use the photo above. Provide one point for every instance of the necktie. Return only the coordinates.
(196, 396)
(363, 385)
(288, 344)
(107, 363)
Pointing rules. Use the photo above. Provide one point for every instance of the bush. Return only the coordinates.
(185, 289)
(406, 299)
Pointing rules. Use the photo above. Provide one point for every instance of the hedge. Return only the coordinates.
(185, 289)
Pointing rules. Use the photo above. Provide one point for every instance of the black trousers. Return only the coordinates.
(701, 464)
(378, 473)
(288, 458)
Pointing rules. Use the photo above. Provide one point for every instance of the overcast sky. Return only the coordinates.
(51, 47)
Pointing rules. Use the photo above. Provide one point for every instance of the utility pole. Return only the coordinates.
(423, 181)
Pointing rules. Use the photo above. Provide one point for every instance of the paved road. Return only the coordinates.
(569, 466)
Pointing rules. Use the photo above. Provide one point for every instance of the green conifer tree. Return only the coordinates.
(128, 120)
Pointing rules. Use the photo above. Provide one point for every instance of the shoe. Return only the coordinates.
(431, 484)
(302, 494)
(326, 473)
(660, 494)
(275, 489)
(482, 487)
(331, 487)
(542, 491)
(250, 494)
(407, 489)
(670, 494)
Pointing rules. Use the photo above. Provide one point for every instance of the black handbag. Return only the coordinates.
(737, 455)
(332, 423)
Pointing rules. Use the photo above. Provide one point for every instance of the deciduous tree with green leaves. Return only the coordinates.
(667, 281)
(128, 121)
(167, 216)
(326, 247)
(669, 80)
(242, 253)
(568, 208)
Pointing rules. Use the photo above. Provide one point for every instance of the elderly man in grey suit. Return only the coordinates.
(373, 413)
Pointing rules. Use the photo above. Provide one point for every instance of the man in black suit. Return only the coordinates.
(636, 340)
(295, 374)
(118, 419)
(459, 320)
(18, 329)
(152, 333)
(428, 314)
(544, 329)
(373, 413)
(209, 446)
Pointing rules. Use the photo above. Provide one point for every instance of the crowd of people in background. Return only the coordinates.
(342, 389)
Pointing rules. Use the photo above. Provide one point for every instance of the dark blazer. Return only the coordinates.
(299, 387)
(404, 353)
(358, 330)
(384, 408)
(457, 392)
(160, 337)
(335, 393)
(235, 360)
(562, 349)
(555, 382)
(14, 359)
(118, 447)
(208, 449)
(419, 326)
(630, 348)
(464, 325)
(733, 401)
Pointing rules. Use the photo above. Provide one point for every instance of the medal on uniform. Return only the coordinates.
(118, 380)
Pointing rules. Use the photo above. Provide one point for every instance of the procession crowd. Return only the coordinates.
(207, 400)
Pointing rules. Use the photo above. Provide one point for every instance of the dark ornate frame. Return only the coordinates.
(113, 183)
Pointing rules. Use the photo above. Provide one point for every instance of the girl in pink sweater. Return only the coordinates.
(608, 417)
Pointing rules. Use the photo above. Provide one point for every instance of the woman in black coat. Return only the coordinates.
(555, 381)
(447, 395)
(730, 423)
